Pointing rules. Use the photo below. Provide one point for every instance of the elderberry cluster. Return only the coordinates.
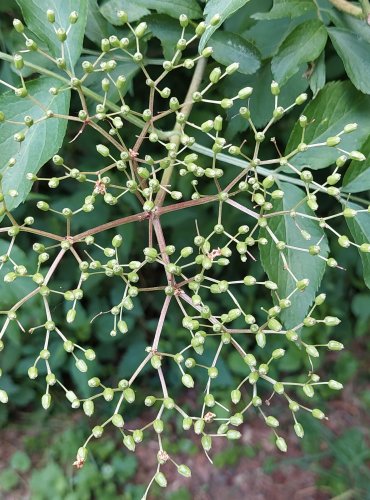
(145, 176)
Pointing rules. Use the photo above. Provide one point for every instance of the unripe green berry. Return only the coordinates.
(331, 321)
(333, 384)
(3, 397)
(312, 351)
(88, 407)
(94, 382)
(129, 442)
(294, 406)
(117, 420)
(215, 75)
(206, 442)
(199, 426)
(356, 155)
(332, 141)
(298, 429)
(365, 248)
(317, 413)
(245, 92)
(207, 52)
(32, 372)
(281, 444)
(18, 25)
(308, 390)
(103, 150)
(81, 365)
(275, 88)
(18, 61)
(184, 470)
(160, 479)
(129, 395)
(333, 345)
(278, 353)
(301, 99)
(272, 421)
(122, 16)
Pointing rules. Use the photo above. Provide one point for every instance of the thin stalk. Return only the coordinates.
(175, 137)
(146, 61)
(347, 7)
(237, 162)
(87, 92)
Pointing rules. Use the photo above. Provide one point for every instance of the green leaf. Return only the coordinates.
(286, 8)
(20, 461)
(360, 230)
(42, 140)
(173, 8)
(97, 27)
(229, 48)
(337, 104)
(355, 25)
(9, 479)
(134, 10)
(305, 43)
(318, 76)
(241, 21)
(354, 52)
(301, 263)
(268, 45)
(34, 13)
(224, 9)
(167, 30)
(357, 176)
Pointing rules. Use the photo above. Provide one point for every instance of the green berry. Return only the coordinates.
(184, 470)
(298, 429)
(333, 345)
(18, 25)
(333, 384)
(281, 444)
(316, 413)
(187, 380)
(88, 407)
(117, 420)
(272, 421)
(233, 434)
(160, 479)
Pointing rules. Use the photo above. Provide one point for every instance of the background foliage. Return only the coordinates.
(304, 45)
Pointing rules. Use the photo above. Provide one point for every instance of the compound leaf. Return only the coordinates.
(229, 47)
(354, 52)
(42, 140)
(305, 43)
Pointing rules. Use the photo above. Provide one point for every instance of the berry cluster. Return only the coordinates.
(146, 170)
